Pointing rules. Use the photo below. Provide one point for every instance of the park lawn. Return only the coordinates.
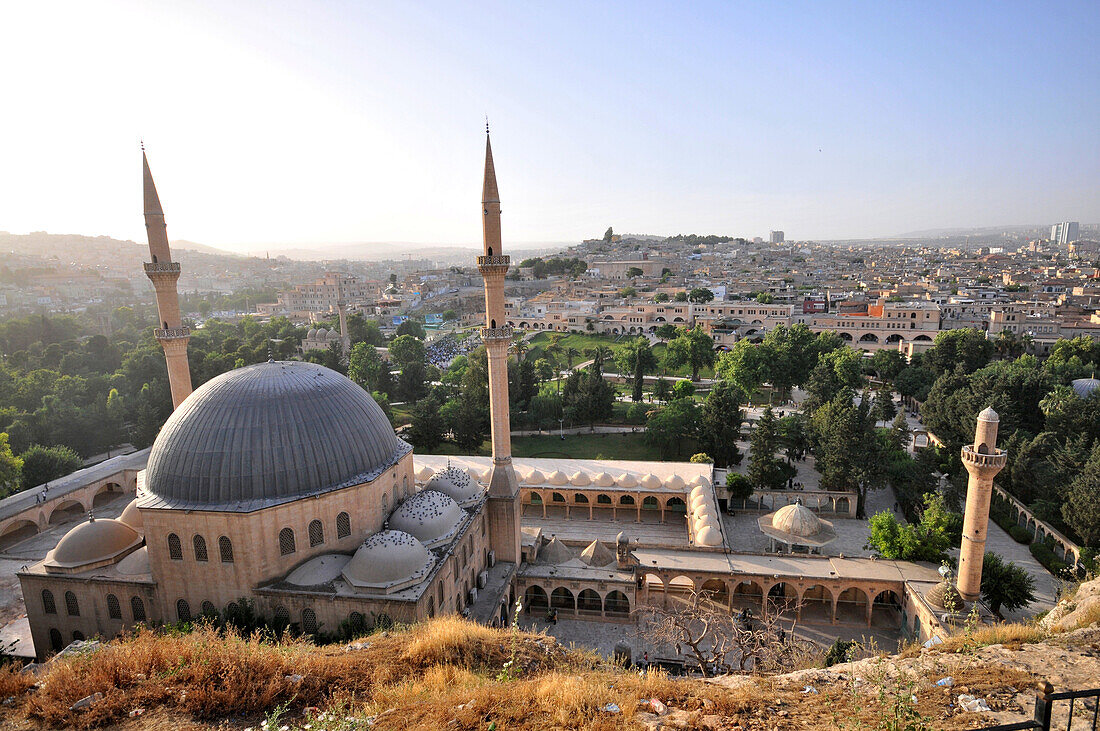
(580, 446)
(581, 342)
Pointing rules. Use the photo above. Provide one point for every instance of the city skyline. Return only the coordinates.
(335, 123)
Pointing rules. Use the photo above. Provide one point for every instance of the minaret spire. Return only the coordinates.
(504, 506)
(164, 273)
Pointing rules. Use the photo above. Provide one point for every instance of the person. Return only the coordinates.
(645, 661)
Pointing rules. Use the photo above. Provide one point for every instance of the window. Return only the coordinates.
(183, 610)
(209, 610)
(405, 485)
(71, 605)
(56, 642)
(282, 617)
(175, 550)
(114, 611)
(200, 548)
(309, 621)
(225, 547)
(231, 610)
(343, 525)
(48, 605)
(137, 608)
(385, 504)
(286, 541)
(316, 533)
(78, 636)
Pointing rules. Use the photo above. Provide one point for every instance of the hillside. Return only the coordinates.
(449, 673)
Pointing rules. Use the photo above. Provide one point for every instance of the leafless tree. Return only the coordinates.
(718, 641)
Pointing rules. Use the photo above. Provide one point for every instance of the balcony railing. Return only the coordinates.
(162, 267)
(497, 260)
(171, 333)
(984, 460)
(497, 333)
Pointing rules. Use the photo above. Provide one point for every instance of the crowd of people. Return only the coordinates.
(441, 352)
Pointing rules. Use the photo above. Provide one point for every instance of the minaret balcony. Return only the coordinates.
(171, 333)
(978, 459)
(162, 267)
(497, 262)
(497, 333)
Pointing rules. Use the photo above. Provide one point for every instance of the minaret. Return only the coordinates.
(164, 273)
(342, 309)
(504, 506)
(983, 461)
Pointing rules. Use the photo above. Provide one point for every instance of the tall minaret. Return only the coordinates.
(983, 461)
(504, 505)
(164, 273)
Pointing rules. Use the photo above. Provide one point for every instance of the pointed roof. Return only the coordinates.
(597, 554)
(152, 200)
(489, 191)
(555, 552)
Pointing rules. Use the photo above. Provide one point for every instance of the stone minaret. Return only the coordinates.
(983, 461)
(163, 272)
(504, 506)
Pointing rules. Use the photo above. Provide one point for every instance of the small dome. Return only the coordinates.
(322, 333)
(557, 477)
(431, 517)
(424, 473)
(697, 500)
(458, 476)
(131, 516)
(91, 542)
(700, 481)
(389, 561)
(708, 536)
(796, 520)
(945, 593)
(675, 482)
(626, 480)
(135, 563)
(603, 480)
(487, 475)
(698, 490)
(650, 481)
(311, 334)
(535, 477)
(580, 479)
(444, 482)
(1084, 387)
(988, 414)
(319, 570)
(703, 511)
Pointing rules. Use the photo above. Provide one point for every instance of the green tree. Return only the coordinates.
(700, 295)
(407, 349)
(365, 366)
(628, 292)
(929, 540)
(636, 359)
(668, 428)
(468, 423)
(794, 436)
(662, 390)
(665, 331)
(546, 410)
(683, 389)
(963, 348)
(1081, 510)
(11, 468)
(835, 372)
(1005, 585)
(720, 424)
(428, 427)
(884, 408)
(680, 297)
(43, 464)
(412, 328)
(693, 348)
(765, 470)
(765, 298)
(887, 364)
(740, 487)
(745, 365)
(632, 272)
(660, 297)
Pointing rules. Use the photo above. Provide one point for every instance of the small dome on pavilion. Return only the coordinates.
(988, 414)
(603, 480)
(1084, 387)
(465, 494)
(708, 536)
(556, 552)
(580, 479)
(131, 516)
(557, 477)
(91, 542)
(675, 482)
(626, 480)
(390, 560)
(431, 517)
(796, 520)
(535, 477)
(650, 481)
(596, 554)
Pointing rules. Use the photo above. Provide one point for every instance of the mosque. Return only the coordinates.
(284, 484)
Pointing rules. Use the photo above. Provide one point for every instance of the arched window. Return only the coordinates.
(282, 618)
(48, 605)
(395, 495)
(175, 550)
(225, 547)
(200, 548)
(78, 636)
(309, 621)
(405, 485)
(286, 541)
(137, 608)
(183, 610)
(114, 611)
(356, 622)
(71, 605)
(56, 642)
(209, 610)
(316, 533)
(231, 610)
(385, 504)
(343, 525)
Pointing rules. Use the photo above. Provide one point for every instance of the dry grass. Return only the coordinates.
(1011, 636)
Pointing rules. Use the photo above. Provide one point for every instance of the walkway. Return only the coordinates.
(21, 501)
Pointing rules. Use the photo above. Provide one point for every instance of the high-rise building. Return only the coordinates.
(776, 237)
(1064, 232)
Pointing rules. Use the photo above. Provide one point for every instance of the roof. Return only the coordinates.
(92, 541)
(1084, 387)
(268, 434)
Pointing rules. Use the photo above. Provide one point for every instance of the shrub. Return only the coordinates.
(1044, 555)
(1019, 534)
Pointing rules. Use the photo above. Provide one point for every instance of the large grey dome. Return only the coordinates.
(268, 434)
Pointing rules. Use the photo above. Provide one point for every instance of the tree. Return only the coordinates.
(700, 295)
(693, 348)
(636, 359)
(608, 234)
(628, 292)
(683, 389)
(963, 348)
(927, 541)
(680, 297)
(406, 349)
(632, 272)
(794, 436)
(667, 428)
(660, 297)
(665, 331)
(887, 364)
(11, 468)
(744, 365)
(739, 486)
(587, 397)
(765, 298)
(428, 427)
(884, 407)
(571, 353)
(835, 371)
(1081, 510)
(545, 409)
(720, 424)
(468, 423)
(1004, 584)
(365, 366)
(43, 464)
(765, 471)
(520, 348)
(411, 327)
(662, 391)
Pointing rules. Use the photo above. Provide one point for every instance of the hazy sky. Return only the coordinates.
(326, 122)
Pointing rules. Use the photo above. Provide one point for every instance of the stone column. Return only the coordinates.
(982, 461)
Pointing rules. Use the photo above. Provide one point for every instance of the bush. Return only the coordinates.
(1019, 534)
(701, 458)
(1044, 555)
